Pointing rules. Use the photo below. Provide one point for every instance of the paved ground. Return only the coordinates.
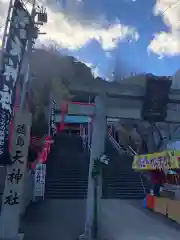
(121, 220)
(2, 181)
(54, 219)
(127, 220)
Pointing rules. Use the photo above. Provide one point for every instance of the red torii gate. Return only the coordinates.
(64, 111)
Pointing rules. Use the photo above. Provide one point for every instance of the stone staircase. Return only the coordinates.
(67, 172)
(2, 182)
(67, 168)
(119, 180)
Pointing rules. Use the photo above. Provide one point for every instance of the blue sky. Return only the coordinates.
(128, 35)
(133, 57)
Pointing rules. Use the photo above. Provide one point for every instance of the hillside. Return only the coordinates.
(55, 73)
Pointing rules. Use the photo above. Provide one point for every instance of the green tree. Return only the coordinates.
(52, 74)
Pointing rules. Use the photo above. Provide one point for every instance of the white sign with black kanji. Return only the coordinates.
(14, 184)
(39, 181)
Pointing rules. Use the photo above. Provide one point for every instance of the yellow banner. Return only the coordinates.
(161, 160)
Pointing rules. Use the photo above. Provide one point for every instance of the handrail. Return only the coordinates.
(132, 150)
(116, 144)
(142, 184)
(118, 147)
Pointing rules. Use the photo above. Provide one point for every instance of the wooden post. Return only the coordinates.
(14, 185)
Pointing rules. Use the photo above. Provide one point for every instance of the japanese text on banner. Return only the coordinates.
(161, 160)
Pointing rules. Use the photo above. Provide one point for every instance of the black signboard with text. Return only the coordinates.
(154, 108)
(12, 59)
(52, 120)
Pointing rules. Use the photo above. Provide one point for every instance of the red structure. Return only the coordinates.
(64, 112)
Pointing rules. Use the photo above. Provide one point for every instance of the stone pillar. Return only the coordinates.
(97, 148)
(15, 179)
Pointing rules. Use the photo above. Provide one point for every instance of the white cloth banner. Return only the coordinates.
(40, 178)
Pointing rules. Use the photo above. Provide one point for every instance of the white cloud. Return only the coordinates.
(167, 43)
(72, 34)
(129, 1)
(3, 13)
(95, 70)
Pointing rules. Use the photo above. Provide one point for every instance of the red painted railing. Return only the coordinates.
(84, 103)
(43, 155)
(35, 141)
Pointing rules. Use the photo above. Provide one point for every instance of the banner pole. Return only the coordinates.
(29, 52)
(10, 7)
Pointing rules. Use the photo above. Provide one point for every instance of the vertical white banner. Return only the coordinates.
(40, 180)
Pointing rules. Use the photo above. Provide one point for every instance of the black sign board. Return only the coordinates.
(154, 108)
(12, 59)
(52, 123)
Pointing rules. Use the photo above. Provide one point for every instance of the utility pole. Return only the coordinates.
(33, 35)
(51, 106)
(12, 200)
(89, 130)
(10, 7)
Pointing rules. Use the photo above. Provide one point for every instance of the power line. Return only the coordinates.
(171, 5)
